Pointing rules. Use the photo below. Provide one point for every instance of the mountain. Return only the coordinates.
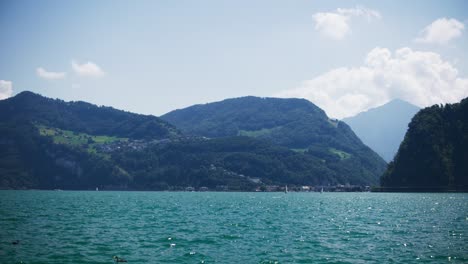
(434, 153)
(293, 123)
(83, 117)
(47, 143)
(271, 118)
(383, 128)
(52, 144)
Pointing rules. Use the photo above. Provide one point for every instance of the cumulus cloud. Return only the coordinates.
(6, 89)
(88, 69)
(422, 78)
(41, 72)
(441, 31)
(336, 25)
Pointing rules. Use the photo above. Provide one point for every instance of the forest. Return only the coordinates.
(434, 154)
(52, 144)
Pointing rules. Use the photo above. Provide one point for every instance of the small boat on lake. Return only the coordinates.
(118, 259)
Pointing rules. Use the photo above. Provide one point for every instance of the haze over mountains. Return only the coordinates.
(49, 144)
(383, 128)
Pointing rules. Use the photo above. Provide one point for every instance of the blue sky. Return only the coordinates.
(155, 56)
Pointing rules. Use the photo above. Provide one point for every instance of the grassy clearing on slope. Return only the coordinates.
(76, 139)
(257, 133)
(299, 150)
(343, 155)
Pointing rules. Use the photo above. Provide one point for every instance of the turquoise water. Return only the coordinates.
(165, 227)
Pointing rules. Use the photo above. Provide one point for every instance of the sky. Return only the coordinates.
(152, 57)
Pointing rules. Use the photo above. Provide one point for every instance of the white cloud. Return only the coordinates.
(332, 25)
(6, 89)
(336, 24)
(41, 72)
(359, 11)
(88, 69)
(441, 31)
(422, 78)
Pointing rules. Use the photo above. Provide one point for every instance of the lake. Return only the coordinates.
(210, 227)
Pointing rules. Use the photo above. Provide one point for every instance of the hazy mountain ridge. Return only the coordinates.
(383, 128)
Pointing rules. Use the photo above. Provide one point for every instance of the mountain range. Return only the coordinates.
(250, 142)
(238, 144)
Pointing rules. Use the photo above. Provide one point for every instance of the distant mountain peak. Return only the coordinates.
(26, 94)
(383, 128)
(393, 104)
(398, 100)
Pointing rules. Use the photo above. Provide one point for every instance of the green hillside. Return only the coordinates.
(293, 123)
(83, 117)
(434, 154)
(52, 144)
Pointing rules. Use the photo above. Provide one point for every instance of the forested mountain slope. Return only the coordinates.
(83, 117)
(293, 123)
(52, 144)
(434, 153)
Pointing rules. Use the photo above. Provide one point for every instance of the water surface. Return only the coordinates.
(165, 227)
